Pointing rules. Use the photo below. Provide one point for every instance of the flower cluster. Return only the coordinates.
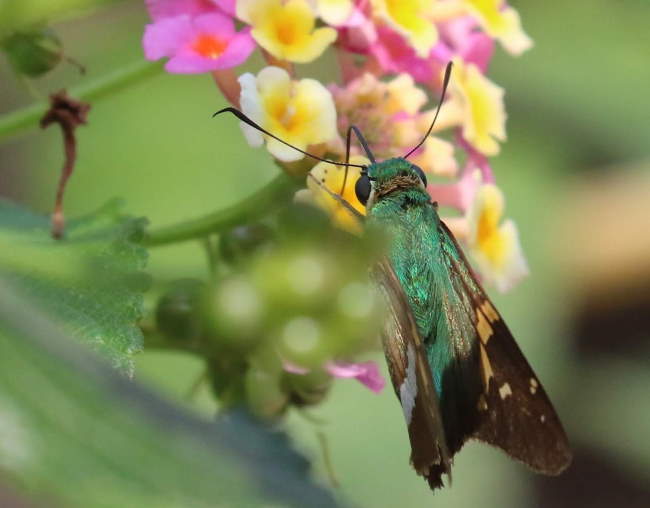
(390, 56)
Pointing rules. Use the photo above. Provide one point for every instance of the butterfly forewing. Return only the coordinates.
(514, 412)
(411, 378)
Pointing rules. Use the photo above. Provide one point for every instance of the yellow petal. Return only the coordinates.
(495, 247)
(302, 113)
(404, 95)
(502, 24)
(286, 30)
(411, 18)
(483, 116)
(332, 178)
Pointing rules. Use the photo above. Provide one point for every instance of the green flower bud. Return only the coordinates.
(296, 281)
(239, 243)
(178, 310)
(236, 312)
(264, 394)
(307, 389)
(301, 340)
(33, 53)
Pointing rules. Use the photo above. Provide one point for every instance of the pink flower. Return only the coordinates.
(367, 373)
(458, 38)
(462, 37)
(159, 9)
(204, 43)
(394, 55)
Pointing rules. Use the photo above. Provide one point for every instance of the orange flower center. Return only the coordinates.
(286, 31)
(209, 46)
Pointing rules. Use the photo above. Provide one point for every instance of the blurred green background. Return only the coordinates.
(576, 174)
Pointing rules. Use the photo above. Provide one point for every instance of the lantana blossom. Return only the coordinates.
(301, 113)
(494, 245)
(388, 114)
(476, 104)
(204, 43)
(287, 30)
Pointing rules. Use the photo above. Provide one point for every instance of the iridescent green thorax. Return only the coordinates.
(391, 175)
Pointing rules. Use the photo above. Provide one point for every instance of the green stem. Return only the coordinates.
(273, 194)
(28, 117)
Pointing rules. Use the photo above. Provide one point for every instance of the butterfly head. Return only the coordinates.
(382, 178)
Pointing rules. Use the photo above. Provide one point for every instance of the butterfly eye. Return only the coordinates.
(362, 189)
(421, 174)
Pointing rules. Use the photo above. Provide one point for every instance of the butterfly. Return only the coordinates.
(455, 367)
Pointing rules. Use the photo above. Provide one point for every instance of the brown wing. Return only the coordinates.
(411, 377)
(514, 412)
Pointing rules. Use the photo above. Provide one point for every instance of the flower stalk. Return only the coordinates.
(273, 195)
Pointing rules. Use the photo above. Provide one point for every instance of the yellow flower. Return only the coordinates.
(286, 30)
(331, 177)
(301, 112)
(494, 246)
(502, 24)
(476, 104)
(411, 18)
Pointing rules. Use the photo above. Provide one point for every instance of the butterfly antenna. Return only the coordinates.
(364, 144)
(445, 83)
(254, 125)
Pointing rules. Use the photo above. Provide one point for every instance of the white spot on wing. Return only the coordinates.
(542, 418)
(408, 390)
(505, 391)
(533, 385)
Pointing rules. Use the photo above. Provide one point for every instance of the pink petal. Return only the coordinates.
(358, 38)
(395, 55)
(214, 23)
(187, 61)
(464, 39)
(227, 6)
(367, 373)
(173, 37)
(460, 194)
(164, 37)
(478, 50)
(239, 49)
(476, 158)
(159, 9)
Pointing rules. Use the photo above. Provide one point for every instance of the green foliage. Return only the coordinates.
(91, 281)
(74, 430)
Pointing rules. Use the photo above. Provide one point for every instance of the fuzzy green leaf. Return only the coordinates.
(91, 281)
(75, 433)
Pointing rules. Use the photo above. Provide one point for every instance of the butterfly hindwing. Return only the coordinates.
(513, 411)
(411, 378)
